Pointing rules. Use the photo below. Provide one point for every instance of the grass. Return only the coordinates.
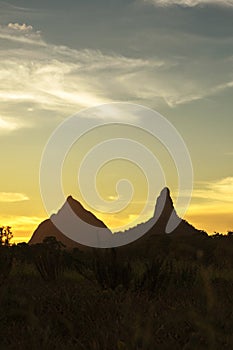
(129, 301)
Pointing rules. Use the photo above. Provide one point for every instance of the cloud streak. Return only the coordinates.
(11, 197)
(221, 190)
(7, 125)
(211, 207)
(215, 191)
(5, 5)
(190, 3)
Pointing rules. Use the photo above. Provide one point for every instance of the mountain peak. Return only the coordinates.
(81, 212)
(165, 191)
(71, 199)
(164, 204)
(74, 203)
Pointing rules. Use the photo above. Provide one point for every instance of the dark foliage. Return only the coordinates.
(110, 271)
(48, 259)
(5, 263)
(166, 294)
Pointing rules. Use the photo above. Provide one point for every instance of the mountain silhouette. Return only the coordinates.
(73, 219)
(163, 220)
(85, 221)
(165, 213)
(82, 213)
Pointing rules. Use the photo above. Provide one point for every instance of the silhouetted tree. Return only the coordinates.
(5, 235)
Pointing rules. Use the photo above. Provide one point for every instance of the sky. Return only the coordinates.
(58, 57)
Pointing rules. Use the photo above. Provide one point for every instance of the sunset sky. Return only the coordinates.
(58, 57)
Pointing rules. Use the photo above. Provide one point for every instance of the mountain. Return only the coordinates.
(73, 219)
(165, 221)
(167, 218)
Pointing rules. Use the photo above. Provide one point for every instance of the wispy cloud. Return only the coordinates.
(10, 124)
(190, 3)
(7, 125)
(63, 80)
(214, 191)
(212, 205)
(59, 78)
(221, 190)
(22, 33)
(6, 5)
(8, 197)
(21, 27)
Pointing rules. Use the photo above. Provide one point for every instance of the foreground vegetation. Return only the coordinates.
(162, 293)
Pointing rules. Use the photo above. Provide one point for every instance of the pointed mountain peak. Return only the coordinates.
(73, 202)
(165, 196)
(164, 205)
(70, 199)
(81, 212)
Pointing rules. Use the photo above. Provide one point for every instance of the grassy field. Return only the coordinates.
(164, 294)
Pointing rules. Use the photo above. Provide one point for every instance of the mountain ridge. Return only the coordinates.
(81, 221)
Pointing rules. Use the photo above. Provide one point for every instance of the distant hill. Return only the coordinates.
(84, 223)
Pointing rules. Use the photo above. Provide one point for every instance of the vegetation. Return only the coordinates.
(5, 235)
(164, 293)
